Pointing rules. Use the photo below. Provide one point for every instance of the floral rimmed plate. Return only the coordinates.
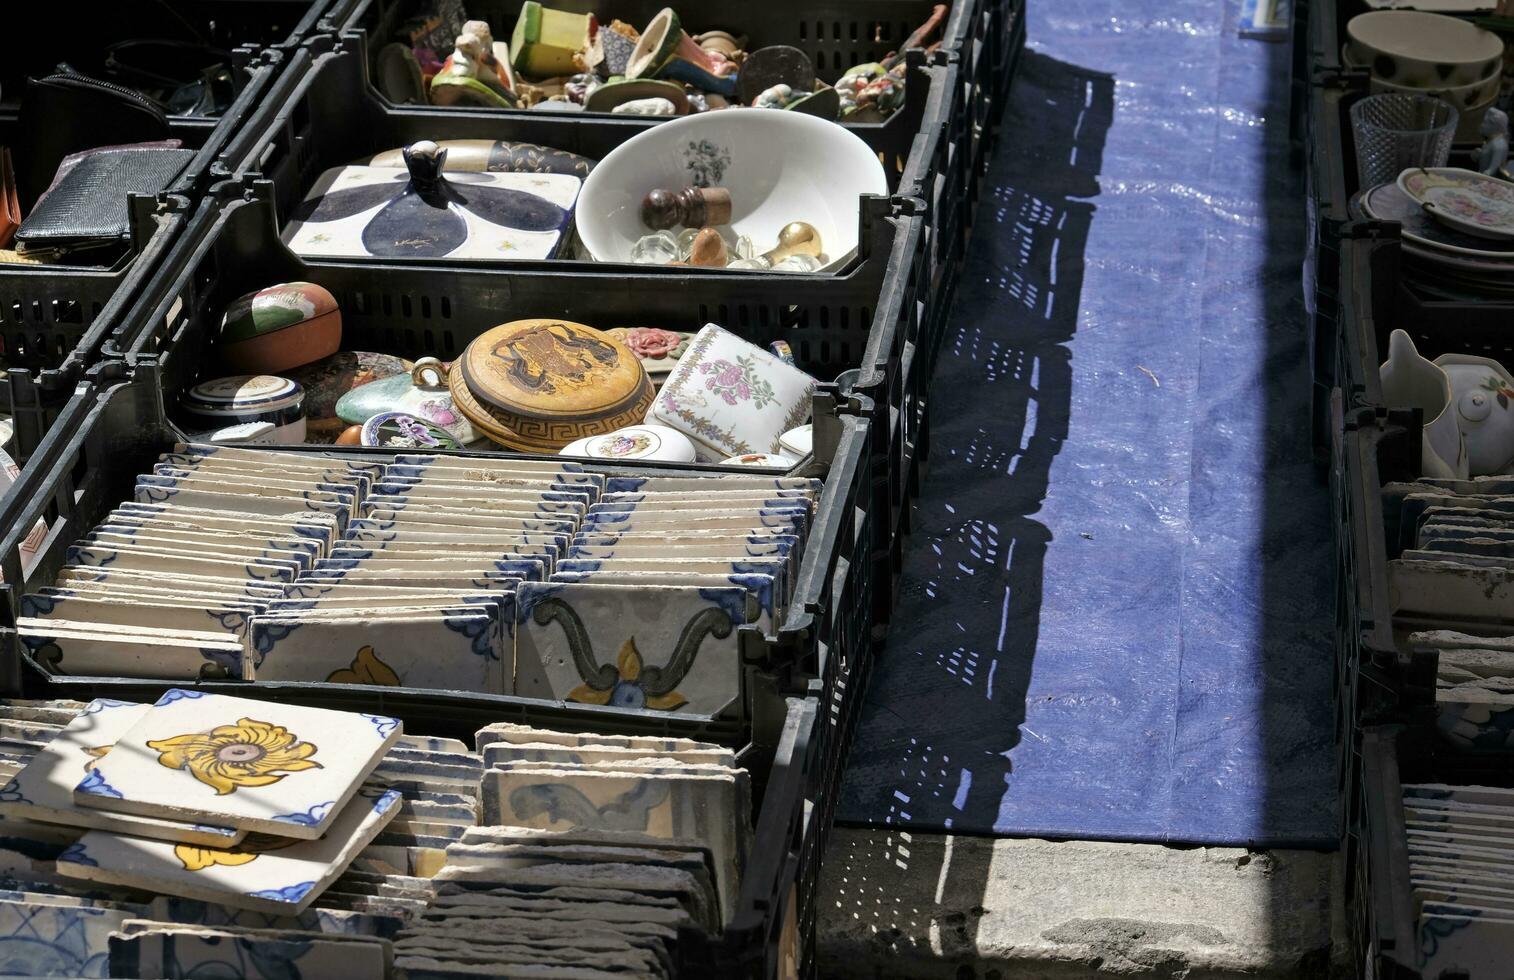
(1463, 199)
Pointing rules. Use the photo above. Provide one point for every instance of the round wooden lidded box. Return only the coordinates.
(537, 385)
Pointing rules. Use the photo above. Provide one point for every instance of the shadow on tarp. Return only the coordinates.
(1238, 757)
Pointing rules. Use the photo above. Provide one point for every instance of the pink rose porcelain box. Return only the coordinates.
(731, 397)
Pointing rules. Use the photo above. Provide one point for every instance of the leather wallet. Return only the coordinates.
(89, 206)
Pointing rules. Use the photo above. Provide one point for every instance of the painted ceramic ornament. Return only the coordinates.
(731, 397)
(546, 42)
(1494, 152)
(398, 430)
(1483, 392)
(1411, 381)
(537, 385)
(495, 157)
(658, 350)
(279, 328)
(423, 394)
(242, 399)
(636, 442)
(615, 44)
(372, 212)
(666, 51)
(494, 55)
(1464, 199)
(328, 379)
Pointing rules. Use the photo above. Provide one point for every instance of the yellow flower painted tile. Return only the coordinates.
(280, 769)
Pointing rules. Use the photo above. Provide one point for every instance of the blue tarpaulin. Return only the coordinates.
(1115, 620)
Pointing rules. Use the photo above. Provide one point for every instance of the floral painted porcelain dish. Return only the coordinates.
(636, 442)
(1464, 199)
(819, 178)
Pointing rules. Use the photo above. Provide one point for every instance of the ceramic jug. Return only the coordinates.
(1483, 393)
(1411, 381)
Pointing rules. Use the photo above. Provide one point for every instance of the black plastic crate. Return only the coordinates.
(323, 114)
(112, 430)
(836, 35)
(54, 318)
(1380, 300)
(1379, 677)
(1381, 914)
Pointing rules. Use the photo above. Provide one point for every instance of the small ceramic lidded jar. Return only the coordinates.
(423, 393)
(537, 385)
(280, 328)
(636, 442)
(246, 398)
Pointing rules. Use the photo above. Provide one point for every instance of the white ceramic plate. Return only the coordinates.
(1464, 199)
(1389, 203)
(779, 167)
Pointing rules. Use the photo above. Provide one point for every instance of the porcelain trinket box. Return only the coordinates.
(279, 328)
(244, 398)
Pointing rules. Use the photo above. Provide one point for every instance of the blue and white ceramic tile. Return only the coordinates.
(658, 647)
(281, 769)
(277, 875)
(159, 950)
(44, 790)
(57, 941)
(458, 648)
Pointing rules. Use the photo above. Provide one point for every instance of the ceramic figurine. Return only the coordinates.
(493, 54)
(279, 328)
(693, 207)
(1411, 381)
(463, 81)
(1483, 392)
(775, 97)
(726, 45)
(546, 43)
(646, 107)
(362, 212)
(666, 51)
(1494, 152)
(709, 250)
(610, 49)
(423, 394)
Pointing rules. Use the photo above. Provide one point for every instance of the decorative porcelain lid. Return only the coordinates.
(275, 308)
(636, 442)
(541, 384)
(242, 393)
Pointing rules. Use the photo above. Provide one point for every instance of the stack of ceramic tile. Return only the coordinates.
(1474, 688)
(512, 576)
(161, 879)
(595, 850)
(1461, 868)
(1457, 563)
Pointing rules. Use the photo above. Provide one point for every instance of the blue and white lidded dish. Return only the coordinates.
(245, 398)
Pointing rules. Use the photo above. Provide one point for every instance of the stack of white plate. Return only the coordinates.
(1432, 54)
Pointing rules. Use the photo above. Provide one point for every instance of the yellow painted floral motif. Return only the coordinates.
(366, 668)
(199, 858)
(627, 691)
(249, 753)
(95, 755)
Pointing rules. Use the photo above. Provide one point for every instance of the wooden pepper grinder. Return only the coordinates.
(692, 207)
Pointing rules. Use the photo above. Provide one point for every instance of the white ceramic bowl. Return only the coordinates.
(1423, 51)
(779, 167)
(1463, 97)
